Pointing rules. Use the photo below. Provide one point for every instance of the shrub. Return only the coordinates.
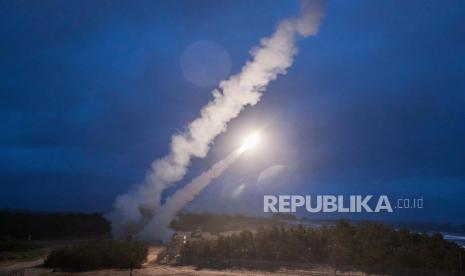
(98, 255)
(367, 246)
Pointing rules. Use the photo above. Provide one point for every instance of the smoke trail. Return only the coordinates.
(274, 56)
(158, 228)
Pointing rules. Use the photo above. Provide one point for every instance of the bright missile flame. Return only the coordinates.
(250, 142)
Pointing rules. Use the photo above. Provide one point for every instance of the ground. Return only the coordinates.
(32, 268)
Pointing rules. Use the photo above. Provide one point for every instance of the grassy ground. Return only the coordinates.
(13, 251)
(22, 256)
(151, 268)
(34, 268)
(188, 270)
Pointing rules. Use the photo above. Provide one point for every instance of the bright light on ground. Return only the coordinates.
(250, 142)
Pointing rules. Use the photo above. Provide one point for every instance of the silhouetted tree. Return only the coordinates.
(23, 225)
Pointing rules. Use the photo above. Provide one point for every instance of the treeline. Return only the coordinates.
(37, 226)
(431, 227)
(368, 246)
(215, 224)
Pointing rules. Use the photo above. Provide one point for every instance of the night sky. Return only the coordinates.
(91, 92)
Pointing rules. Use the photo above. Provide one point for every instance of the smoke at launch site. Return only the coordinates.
(158, 228)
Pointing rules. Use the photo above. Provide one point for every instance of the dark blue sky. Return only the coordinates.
(91, 93)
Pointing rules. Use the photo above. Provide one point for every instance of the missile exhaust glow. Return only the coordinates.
(250, 142)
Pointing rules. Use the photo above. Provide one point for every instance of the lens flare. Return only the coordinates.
(250, 142)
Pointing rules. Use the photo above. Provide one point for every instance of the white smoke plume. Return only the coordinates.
(274, 56)
(158, 228)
